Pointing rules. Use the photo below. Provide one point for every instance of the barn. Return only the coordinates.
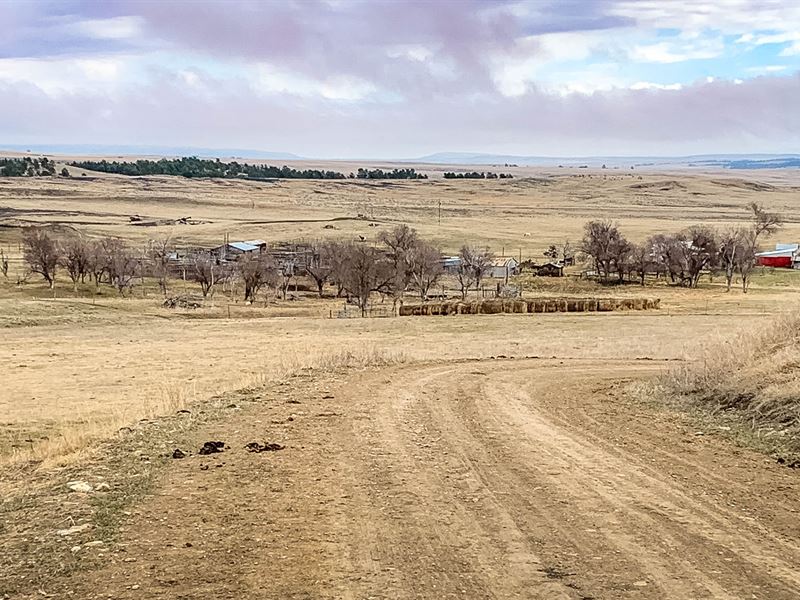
(503, 268)
(784, 256)
(232, 250)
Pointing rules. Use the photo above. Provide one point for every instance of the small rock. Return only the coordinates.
(75, 549)
(178, 453)
(267, 447)
(135, 586)
(94, 544)
(74, 529)
(79, 486)
(101, 487)
(640, 583)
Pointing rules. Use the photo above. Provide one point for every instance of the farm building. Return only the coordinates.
(236, 249)
(450, 264)
(550, 269)
(503, 268)
(785, 256)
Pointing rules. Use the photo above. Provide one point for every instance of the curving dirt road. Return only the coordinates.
(493, 479)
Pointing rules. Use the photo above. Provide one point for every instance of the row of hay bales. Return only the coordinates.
(534, 305)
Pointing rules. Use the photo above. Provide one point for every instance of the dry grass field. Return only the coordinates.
(78, 367)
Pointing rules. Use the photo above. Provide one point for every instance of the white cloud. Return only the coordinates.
(673, 52)
(116, 28)
(648, 85)
(273, 80)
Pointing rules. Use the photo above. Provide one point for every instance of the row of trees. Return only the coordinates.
(682, 256)
(27, 167)
(393, 174)
(477, 175)
(191, 166)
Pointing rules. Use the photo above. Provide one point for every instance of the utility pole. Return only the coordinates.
(440, 211)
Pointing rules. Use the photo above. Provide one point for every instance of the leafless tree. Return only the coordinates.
(473, 265)
(606, 246)
(762, 224)
(256, 271)
(98, 259)
(336, 254)
(400, 242)
(425, 266)
(41, 253)
(320, 265)
(640, 261)
(76, 258)
(208, 272)
(122, 264)
(731, 248)
(365, 270)
(701, 251)
(159, 253)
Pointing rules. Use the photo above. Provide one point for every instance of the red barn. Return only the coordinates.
(783, 256)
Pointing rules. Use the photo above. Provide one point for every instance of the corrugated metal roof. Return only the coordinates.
(255, 242)
(781, 252)
(243, 246)
(786, 246)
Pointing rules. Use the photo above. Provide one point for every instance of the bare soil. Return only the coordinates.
(460, 479)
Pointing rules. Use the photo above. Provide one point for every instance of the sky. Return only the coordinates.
(392, 79)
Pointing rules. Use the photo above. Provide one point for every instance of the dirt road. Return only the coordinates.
(492, 479)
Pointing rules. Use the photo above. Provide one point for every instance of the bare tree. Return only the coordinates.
(256, 270)
(473, 265)
(320, 265)
(425, 266)
(731, 249)
(159, 254)
(122, 264)
(3, 264)
(701, 251)
(365, 270)
(640, 261)
(98, 260)
(763, 224)
(41, 253)
(208, 272)
(336, 254)
(400, 241)
(75, 258)
(606, 246)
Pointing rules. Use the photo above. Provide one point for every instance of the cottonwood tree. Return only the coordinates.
(731, 249)
(256, 271)
(400, 242)
(206, 271)
(425, 266)
(606, 246)
(319, 267)
(99, 259)
(701, 251)
(76, 256)
(473, 265)
(640, 261)
(122, 264)
(41, 253)
(159, 253)
(763, 224)
(365, 270)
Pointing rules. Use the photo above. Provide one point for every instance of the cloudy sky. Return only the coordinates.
(341, 78)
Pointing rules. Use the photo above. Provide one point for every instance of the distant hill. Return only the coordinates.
(723, 161)
(121, 151)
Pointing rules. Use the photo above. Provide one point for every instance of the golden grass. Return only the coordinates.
(753, 376)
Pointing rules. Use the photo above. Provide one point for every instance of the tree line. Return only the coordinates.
(198, 167)
(27, 167)
(191, 166)
(682, 256)
(477, 175)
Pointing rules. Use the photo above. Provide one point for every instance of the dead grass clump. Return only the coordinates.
(753, 379)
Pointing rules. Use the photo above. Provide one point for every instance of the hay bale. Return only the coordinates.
(654, 303)
(606, 305)
(561, 305)
(492, 307)
(540, 306)
(435, 309)
(508, 305)
(406, 311)
(551, 306)
(520, 306)
(639, 304)
(475, 306)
